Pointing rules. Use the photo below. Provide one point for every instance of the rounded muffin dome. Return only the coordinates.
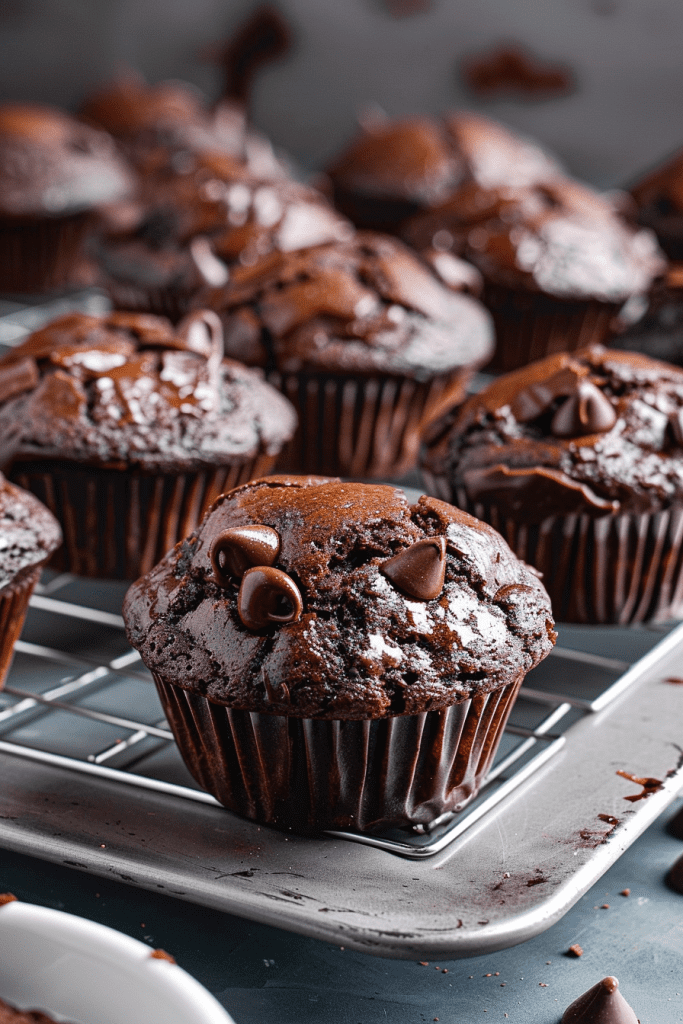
(313, 598)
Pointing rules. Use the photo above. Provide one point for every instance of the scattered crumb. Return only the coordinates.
(548, 961)
(604, 906)
(103, 846)
(649, 785)
(676, 680)
(161, 954)
(437, 968)
(509, 69)
(7, 897)
(625, 892)
(423, 963)
(502, 984)
(542, 984)
(609, 818)
(445, 970)
(575, 950)
(488, 975)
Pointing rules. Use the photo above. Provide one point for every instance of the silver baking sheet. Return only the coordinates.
(93, 780)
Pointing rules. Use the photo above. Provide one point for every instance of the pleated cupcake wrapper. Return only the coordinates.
(614, 569)
(530, 326)
(118, 524)
(14, 600)
(170, 302)
(40, 254)
(362, 427)
(311, 774)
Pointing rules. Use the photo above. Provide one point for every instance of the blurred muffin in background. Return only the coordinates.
(55, 174)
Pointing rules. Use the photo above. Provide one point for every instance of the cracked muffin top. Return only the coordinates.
(310, 597)
(130, 390)
(52, 165)
(28, 532)
(596, 432)
(368, 305)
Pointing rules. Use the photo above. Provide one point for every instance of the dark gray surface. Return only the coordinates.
(265, 976)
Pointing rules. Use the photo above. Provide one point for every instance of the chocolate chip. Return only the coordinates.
(419, 571)
(241, 548)
(268, 595)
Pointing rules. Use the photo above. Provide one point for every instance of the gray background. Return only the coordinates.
(626, 55)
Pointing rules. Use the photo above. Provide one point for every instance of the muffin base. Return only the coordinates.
(41, 254)
(171, 302)
(615, 569)
(14, 600)
(362, 427)
(308, 775)
(118, 524)
(530, 326)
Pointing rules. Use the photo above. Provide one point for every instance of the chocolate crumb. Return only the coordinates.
(575, 950)
(625, 892)
(161, 954)
(445, 970)
(496, 974)
(7, 897)
(676, 680)
(542, 984)
(649, 785)
(604, 906)
(423, 963)
(609, 818)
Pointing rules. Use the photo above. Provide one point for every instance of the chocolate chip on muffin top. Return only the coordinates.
(310, 597)
(596, 431)
(129, 389)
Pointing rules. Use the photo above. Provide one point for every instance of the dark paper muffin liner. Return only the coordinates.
(616, 569)
(14, 600)
(362, 427)
(41, 254)
(170, 302)
(530, 326)
(118, 524)
(311, 774)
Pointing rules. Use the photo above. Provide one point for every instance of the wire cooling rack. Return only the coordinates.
(78, 697)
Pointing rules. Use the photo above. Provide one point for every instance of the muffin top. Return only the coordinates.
(52, 165)
(310, 597)
(557, 237)
(595, 432)
(199, 222)
(28, 532)
(425, 161)
(363, 306)
(129, 390)
(170, 121)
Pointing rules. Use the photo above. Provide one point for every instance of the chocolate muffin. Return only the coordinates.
(364, 340)
(28, 536)
(54, 174)
(167, 124)
(329, 656)
(199, 223)
(128, 428)
(578, 461)
(559, 262)
(397, 169)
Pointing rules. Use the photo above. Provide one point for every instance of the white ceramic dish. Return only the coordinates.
(86, 973)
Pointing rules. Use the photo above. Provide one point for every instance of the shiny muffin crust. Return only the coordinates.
(28, 532)
(362, 647)
(364, 306)
(128, 390)
(598, 431)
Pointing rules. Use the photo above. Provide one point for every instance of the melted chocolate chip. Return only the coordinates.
(268, 595)
(601, 1004)
(241, 548)
(587, 411)
(676, 425)
(420, 570)
(539, 395)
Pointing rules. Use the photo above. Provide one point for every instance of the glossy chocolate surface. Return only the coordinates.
(364, 306)
(601, 1004)
(52, 165)
(361, 648)
(659, 198)
(28, 532)
(200, 222)
(595, 432)
(129, 389)
(235, 551)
